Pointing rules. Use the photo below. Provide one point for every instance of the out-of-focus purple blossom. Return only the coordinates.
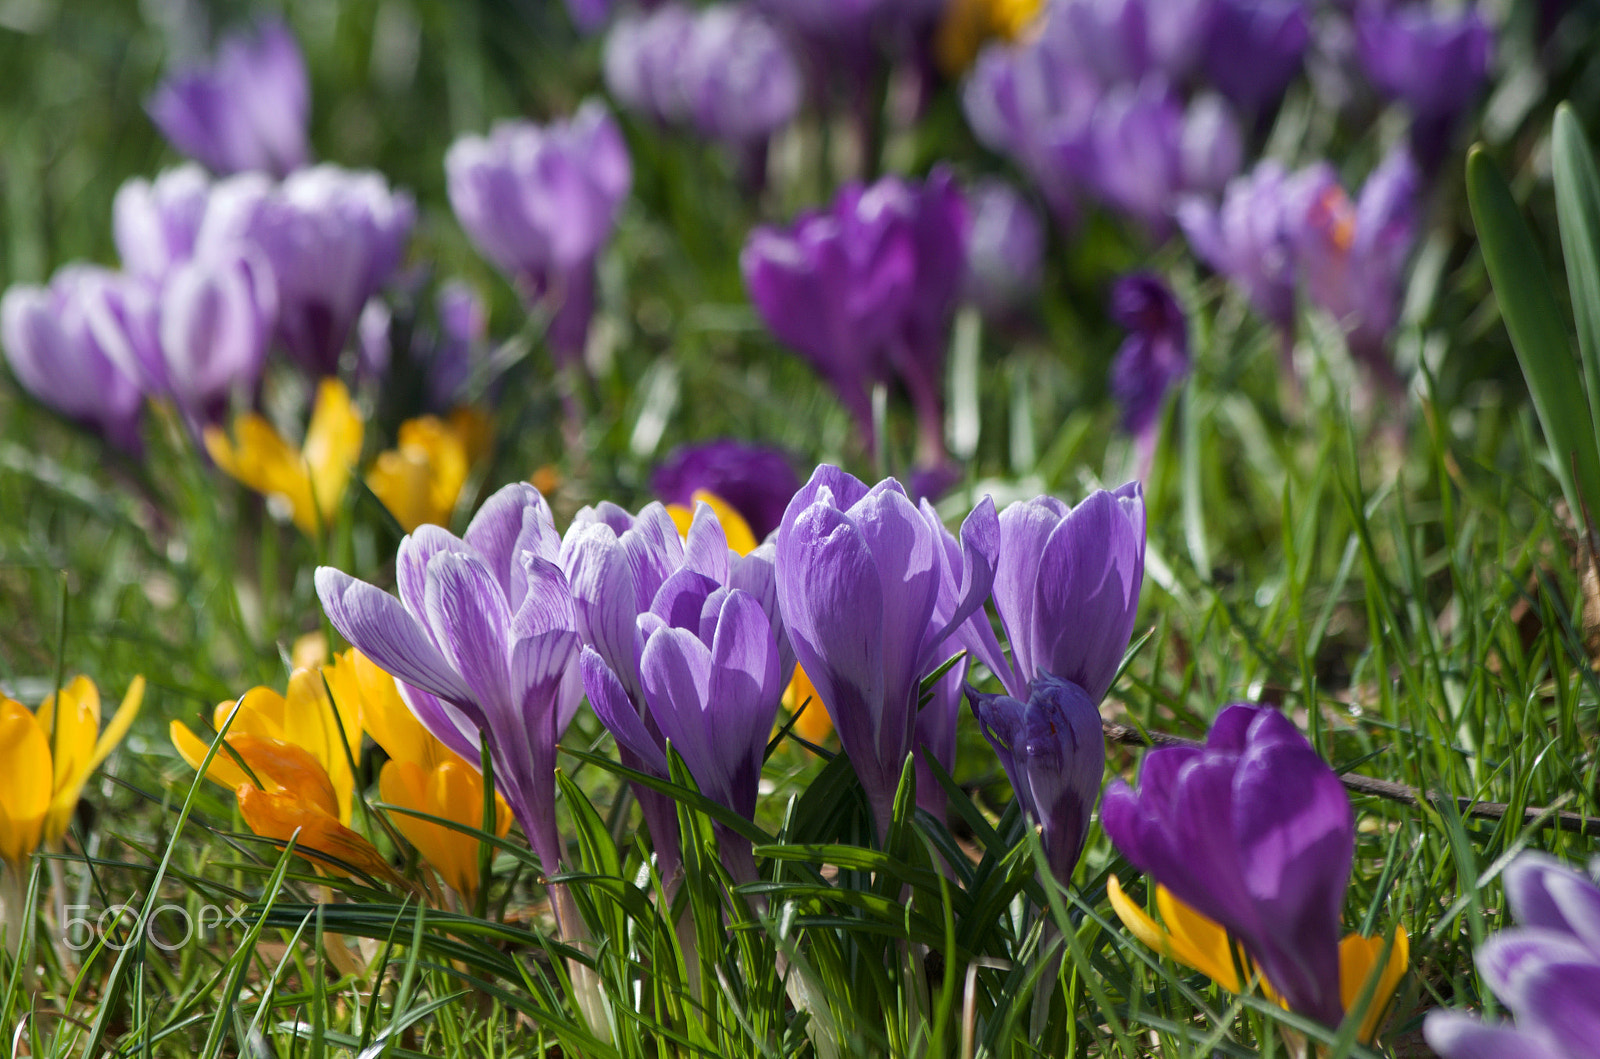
(869, 600)
(1546, 970)
(1254, 48)
(1155, 355)
(939, 224)
(540, 203)
(643, 61)
(1254, 831)
(1352, 255)
(757, 480)
(1066, 587)
(463, 331)
(1434, 61)
(1212, 148)
(483, 643)
(1250, 238)
(1005, 247)
(246, 111)
(1054, 752)
(154, 224)
(1128, 40)
(588, 15)
(333, 237)
(53, 352)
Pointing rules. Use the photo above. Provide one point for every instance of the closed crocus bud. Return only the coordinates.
(1138, 151)
(1250, 238)
(1155, 355)
(1005, 248)
(1431, 59)
(740, 82)
(643, 61)
(1254, 48)
(756, 480)
(1053, 751)
(155, 223)
(246, 111)
(540, 203)
(862, 586)
(54, 354)
(939, 222)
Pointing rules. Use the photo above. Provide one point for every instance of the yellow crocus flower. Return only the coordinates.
(306, 718)
(310, 479)
(46, 758)
(422, 775)
(420, 480)
(1198, 942)
(968, 24)
(815, 724)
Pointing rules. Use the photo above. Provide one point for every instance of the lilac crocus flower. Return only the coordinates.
(1254, 48)
(1546, 970)
(247, 111)
(644, 53)
(757, 480)
(333, 237)
(1054, 753)
(540, 203)
(1005, 248)
(484, 644)
(868, 601)
(155, 224)
(54, 354)
(1154, 356)
(1254, 831)
(1250, 238)
(1127, 40)
(1434, 61)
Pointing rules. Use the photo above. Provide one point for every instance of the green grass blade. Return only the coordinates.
(1578, 209)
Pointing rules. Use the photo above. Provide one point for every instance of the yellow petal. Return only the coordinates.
(446, 792)
(284, 766)
(332, 446)
(1190, 939)
(734, 527)
(72, 725)
(446, 454)
(193, 750)
(682, 518)
(309, 651)
(815, 724)
(28, 782)
(312, 721)
(262, 460)
(1358, 958)
(386, 717)
(401, 480)
(281, 815)
(261, 712)
(471, 424)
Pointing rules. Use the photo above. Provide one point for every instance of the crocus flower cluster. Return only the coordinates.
(722, 70)
(246, 110)
(865, 289)
(1250, 840)
(540, 203)
(1433, 60)
(1546, 970)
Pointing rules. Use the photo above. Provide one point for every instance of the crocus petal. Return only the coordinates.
(1358, 962)
(1455, 1035)
(619, 715)
(377, 624)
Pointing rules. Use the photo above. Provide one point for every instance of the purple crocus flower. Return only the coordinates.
(938, 222)
(1250, 238)
(757, 480)
(644, 53)
(484, 644)
(54, 354)
(1127, 40)
(540, 203)
(247, 111)
(868, 601)
(1434, 61)
(1053, 750)
(1546, 970)
(333, 237)
(1154, 356)
(155, 224)
(1254, 831)
(1254, 48)
(1005, 248)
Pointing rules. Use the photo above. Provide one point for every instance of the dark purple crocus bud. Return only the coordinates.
(862, 587)
(1254, 48)
(1250, 239)
(1352, 255)
(540, 202)
(1155, 355)
(1005, 248)
(757, 480)
(1432, 60)
(483, 644)
(53, 353)
(155, 224)
(1054, 753)
(247, 111)
(1252, 830)
(939, 223)
(1066, 588)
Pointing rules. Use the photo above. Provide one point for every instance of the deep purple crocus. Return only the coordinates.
(862, 586)
(1005, 248)
(1250, 238)
(334, 237)
(1546, 970)
(1254, 48)
(1254, 831)
(1155, 355)
(1433, 60)
(540, 202)
(155, 223)
(757, 480)
(484, 644)
(54, 354)
(246, 111)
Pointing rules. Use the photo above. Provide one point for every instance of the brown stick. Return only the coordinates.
(1127, 735)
